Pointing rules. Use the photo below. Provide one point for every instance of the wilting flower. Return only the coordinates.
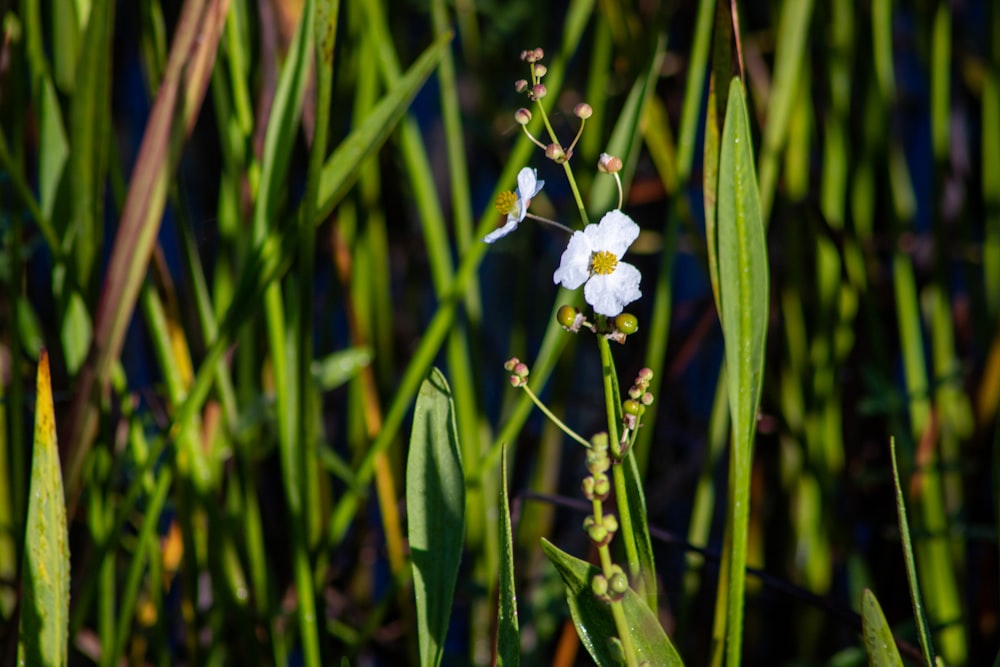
(515, 205)
(593, 257)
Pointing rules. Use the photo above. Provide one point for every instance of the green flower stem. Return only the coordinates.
(617, 609)
(566, 167)
(555, 420)
(611, 400)
(576, 192)
(624, 634)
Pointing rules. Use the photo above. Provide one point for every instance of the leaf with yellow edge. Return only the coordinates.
(45, 605)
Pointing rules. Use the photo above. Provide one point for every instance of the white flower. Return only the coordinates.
(528, 186)
(592, 257)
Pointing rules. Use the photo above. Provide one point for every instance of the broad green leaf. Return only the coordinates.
(879, 642)
(44, 629)
(594, 622)
(508, 634)
(743, 289)
(435, 507)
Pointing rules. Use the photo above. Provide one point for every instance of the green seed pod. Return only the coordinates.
(627, 323)
(601, 487)
(566, 316)
(631, 407)
(598, 534)
(619, 583)
(599, 585)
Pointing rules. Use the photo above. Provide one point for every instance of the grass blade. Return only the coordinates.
(435, 507)
(45, 605)
(923, 630)
(508, 634)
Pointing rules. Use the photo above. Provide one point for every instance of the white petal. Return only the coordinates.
(574, 265)
(526, 179)
(615, 233)
(611, 293)
(501, 232)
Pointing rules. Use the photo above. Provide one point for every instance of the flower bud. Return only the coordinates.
(522, 116)
(646, 399)
(538, 91)
(583, 111)
(541, 70)
(521, 85)
(510, 363)
(555, 152)
(646, 374)
(598, 534)
(599, 442)
(610, 523)
(609, 164)
(602, 486)
(618, 583)
(588, 487)
(538, 54)
(599, 585)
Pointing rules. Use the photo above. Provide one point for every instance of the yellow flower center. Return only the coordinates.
(506, 202)
(603, 263)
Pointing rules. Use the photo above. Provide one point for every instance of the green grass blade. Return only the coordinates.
(435, 507)
(636, 499)
(182, 90)
(990, 177)
(879, 642)
(593, 620)
(43, 633)
(790, 57)
(743, 274)
(341, 169)
(694, 88)
(923, 630)
(508, 634)
(283, 123)
(90, 130)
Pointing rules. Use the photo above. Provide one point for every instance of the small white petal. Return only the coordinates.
(501, 232)
(526, 179)
(574, 265)
(615, 233)
(611, 293)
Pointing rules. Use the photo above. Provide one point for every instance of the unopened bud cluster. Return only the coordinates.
(519, 372)
(536, 92)
(639, 398)
(611, 588)
(597, 485)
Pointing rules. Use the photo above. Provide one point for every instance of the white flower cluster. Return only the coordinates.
(593, 256)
